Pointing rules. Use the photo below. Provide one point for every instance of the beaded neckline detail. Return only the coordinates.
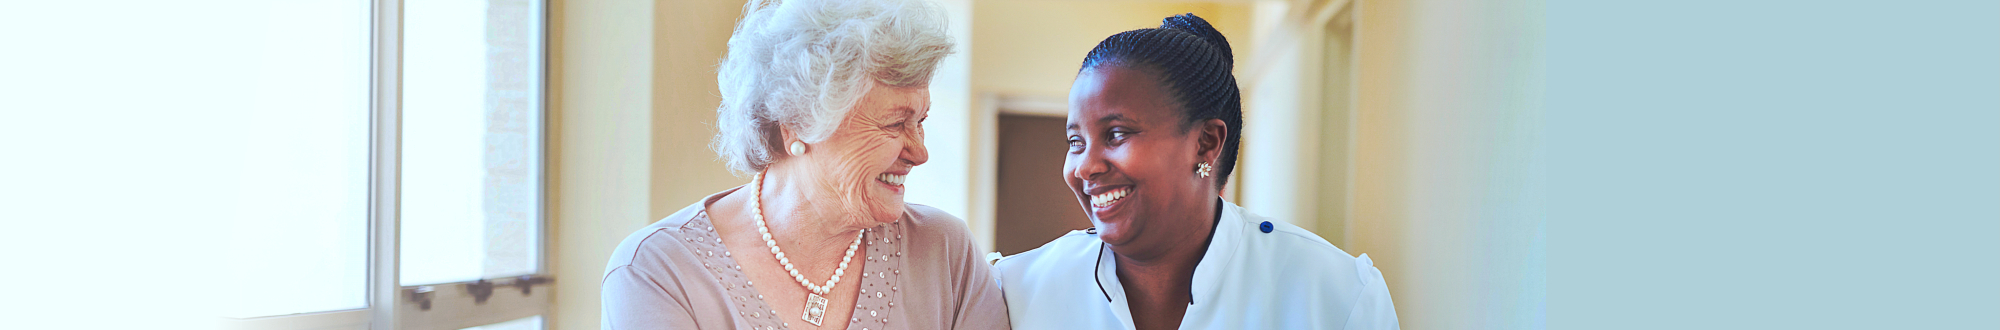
(880, 281)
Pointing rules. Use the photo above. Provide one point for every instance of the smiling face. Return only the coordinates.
(865, 160)
(1131, 160)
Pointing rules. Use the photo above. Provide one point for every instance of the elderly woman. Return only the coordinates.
(1153, 129)
(824, 102)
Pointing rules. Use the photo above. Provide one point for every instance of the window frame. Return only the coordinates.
(449, 305)
(391, 306)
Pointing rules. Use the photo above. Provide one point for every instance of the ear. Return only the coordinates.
(785, 135)
(1209, 142)
(781, 141)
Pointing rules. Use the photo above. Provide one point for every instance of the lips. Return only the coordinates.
(891, 178)
(1109, 197)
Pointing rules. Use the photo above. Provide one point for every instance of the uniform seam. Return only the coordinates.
(1036, 250)
(1328, 247)
(640, 246)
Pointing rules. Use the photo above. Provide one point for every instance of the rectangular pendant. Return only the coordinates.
(815, 308)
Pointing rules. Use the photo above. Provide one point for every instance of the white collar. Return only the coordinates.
(1224, 240)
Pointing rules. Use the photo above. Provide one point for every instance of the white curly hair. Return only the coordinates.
(802, 64)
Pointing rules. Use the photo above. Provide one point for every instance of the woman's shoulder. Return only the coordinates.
(928, 224)
(655, 242)
(1076, 249)
(1302, 255)
(941, 250)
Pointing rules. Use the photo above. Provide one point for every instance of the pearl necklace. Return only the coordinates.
(815, 308)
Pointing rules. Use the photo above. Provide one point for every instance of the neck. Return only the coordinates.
(809, 227)
(1163, 273)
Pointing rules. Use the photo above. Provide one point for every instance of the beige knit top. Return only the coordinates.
(921, 272)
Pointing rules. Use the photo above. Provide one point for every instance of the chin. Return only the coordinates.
(1114, 231)
(1113, 235)
(887, 212)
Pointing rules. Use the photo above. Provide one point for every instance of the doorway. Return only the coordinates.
(1033, 204)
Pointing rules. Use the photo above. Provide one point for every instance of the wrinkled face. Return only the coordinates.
(1130, 158)
(863, 163)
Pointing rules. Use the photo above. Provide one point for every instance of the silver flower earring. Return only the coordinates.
(798, 148)
(1202, 169)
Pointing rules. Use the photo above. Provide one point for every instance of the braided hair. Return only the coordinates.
(1195, 63)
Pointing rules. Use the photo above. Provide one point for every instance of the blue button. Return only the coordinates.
(1266, 227)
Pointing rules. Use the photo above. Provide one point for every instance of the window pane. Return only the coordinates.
(299, 215)
(471, 140)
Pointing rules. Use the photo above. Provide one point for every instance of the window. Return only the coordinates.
(398, 176)
(300, 210)
(470, 140)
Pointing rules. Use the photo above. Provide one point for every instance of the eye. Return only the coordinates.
(1075, 144)
(898, 125)
(1119, 134)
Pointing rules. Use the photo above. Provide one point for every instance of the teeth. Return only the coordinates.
(1100, 200)
(891, 179)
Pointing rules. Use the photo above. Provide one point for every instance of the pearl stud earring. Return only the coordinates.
(798, 148)
(1202, 169)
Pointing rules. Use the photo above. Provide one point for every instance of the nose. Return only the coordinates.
(914, 151)
(1090, 164)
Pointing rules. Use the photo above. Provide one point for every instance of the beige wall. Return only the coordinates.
(1447, 160)
(1034, 47)
(632, 95)
(1292, 112)
(600, 71)
(689, 40)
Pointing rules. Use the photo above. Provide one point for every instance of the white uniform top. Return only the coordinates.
(1250, 278)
